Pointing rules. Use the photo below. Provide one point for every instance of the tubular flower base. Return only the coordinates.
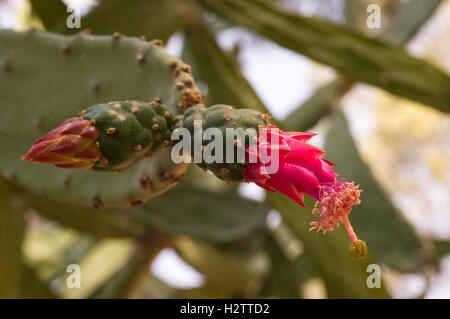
(303, 170)
(71, 145)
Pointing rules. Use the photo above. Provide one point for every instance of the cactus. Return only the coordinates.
(149, 72)
(126, 136)
(225, 116)
(126, 132)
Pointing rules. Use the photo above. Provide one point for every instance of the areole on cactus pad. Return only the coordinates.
(122, 133)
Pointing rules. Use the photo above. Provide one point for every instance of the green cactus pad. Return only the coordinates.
(130, 131)
(222, 117)
(46, 78)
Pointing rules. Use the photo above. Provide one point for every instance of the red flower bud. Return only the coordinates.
(70, 145)
(303, 170)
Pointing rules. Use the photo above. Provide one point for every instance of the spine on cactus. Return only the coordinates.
(116, 135)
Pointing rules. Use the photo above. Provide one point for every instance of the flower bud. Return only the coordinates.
(71, 145)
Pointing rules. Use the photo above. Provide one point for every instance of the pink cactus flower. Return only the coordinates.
(71, 145)
(303, 170)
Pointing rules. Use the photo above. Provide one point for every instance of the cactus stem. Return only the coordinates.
(111, 130)
(138, 147)
(155, 127)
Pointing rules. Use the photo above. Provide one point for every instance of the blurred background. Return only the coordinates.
(397, 147)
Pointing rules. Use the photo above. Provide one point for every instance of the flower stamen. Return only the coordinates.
(336, 201)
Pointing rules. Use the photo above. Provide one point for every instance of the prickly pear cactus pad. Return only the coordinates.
(47, 78)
